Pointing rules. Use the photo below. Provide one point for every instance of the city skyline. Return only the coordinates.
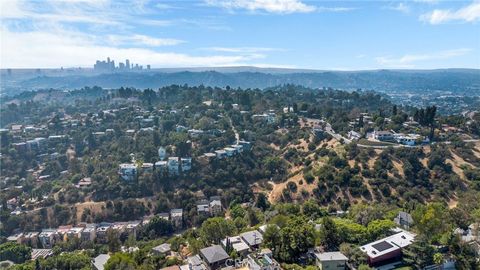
(336, 35)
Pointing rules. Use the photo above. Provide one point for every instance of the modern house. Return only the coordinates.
(237, 244)
(186, 164)
(253, 239)
(387, 249)
(331, 261)
(214, 257)
(215, 206)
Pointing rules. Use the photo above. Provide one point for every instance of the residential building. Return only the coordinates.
(176, 217)
(186, 164)
(388, 248)
(237, 244)
(162, 249)
(382, 135)
(128, 171)
(262, 261)
(18, 238)
(253, 239)
(353, 135)
(31, 239)
(215, 206)
(331, 261)
(89, 233)
(194, 263)
(221, 154)
(173, 165)
(101, 232)
(161, 166)
(147, 167)
(230, 151)
(214, 257)
(75, 232)
(47, 238)
(43, 253)
(203, 208)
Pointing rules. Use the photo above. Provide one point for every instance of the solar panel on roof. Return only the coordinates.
(382, 246)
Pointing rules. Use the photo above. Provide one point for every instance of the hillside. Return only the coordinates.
(459, 81)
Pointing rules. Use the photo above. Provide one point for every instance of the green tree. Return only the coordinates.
(329, 235)
(14, 252)
(120, 261)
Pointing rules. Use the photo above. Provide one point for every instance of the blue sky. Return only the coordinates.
(339, 35)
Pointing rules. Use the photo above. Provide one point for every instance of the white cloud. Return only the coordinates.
(273, 6)
(142, 40)
(470, 13)
(409, 60)
(58, 48)
(243, 50)
(401, 7)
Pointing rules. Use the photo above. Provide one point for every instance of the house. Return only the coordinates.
(253, 238)
(18, 238)
(331, 261)
(147, 167)
(215, 206)
(75, 232)
(203, 208)
(88, 233)
(470, 236)
(47, 238)
(221, 154)
(404, 220)
(41, 253)
(173, 267)
(62, 232)
(162, 249)
(230, 151)
(353, 135)
(245, 145)
(173, 164)
(237, 244)
(214, 257)
(176, 216)
(262, 261)
(99, 262)
(382, 136)
(388, 248)
(84, 182)
(162, 153)
(31, 239)
(101, 232)
(186, 164)
(128, 171)
(194, 263)
(161, 166)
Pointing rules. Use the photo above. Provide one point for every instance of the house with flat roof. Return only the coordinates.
(331, 260)
(214, 257)
(237, 243)
(164, 249)
(387, 249)
(253, 238)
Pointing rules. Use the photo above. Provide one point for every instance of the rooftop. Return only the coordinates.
(214, 254)
(388, 244)
(331, 256)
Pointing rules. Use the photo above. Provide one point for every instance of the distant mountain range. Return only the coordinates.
(457, 81)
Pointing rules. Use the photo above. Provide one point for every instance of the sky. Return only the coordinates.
(328, 35)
